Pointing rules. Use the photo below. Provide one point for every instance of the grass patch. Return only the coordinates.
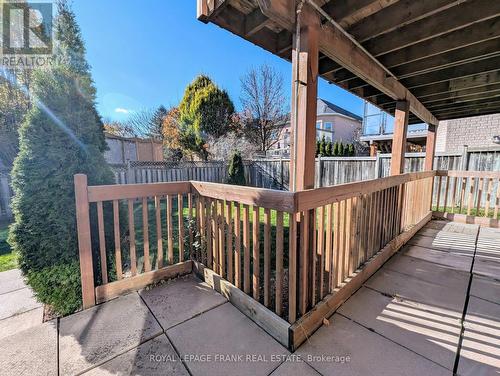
(8, 260)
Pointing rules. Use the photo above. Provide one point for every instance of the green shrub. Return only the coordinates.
(62, 135)
(58, 285)
(236, 173)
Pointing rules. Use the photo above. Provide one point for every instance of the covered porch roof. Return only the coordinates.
(442, 56)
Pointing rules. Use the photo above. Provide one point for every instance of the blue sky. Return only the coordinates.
(144, 53)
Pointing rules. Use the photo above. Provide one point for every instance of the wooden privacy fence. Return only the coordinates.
(467, 196)
(298, 255)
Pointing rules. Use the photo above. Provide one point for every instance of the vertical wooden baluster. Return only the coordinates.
(333, 249)
(190, 220)
(180, 214)
(131, 230)
(453, 195)
(497, 200)
(488, 198)
(363, 233)
(222, 238)
(208, 229)
(246, 249)
(350, 229)
(216, 237)
(304, 262)
(229, 241)
(446, 188)
(292, 269)
(471, 196)
(462, 195)
(279, 263)
(267, 256)
(313, 264)
(342, 241)
(479, 195)
(145, 231)
(371, 227)
(438, 199)
(256, 251)
(237, 245)
(321, 251)
(159, 235)
(102, 243)
(118, 249)
(170, 232)
(201, 226)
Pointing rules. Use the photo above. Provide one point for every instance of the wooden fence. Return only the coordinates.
(467, 196)
(286, 259)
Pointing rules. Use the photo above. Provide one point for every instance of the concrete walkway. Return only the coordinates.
(19, 310)
(432, 308)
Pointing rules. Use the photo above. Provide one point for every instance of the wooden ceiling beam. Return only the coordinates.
(255, 21)
(460, 115)
(458, 17)
(402, 13)
(462, 94)
(446, 74)
(466, 37)
(338, 47)
(348, 12)
(465, 102)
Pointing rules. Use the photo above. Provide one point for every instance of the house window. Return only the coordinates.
(328, 126)
(318, 124)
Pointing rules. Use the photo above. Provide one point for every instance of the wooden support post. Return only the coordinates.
(430, 147)
(399, 138)
(304, 97)
(84, 241)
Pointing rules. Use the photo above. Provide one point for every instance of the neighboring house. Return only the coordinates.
(333, 122)
(452, 135)
(124, 149)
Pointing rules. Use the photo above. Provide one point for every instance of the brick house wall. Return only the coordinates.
(477, 131)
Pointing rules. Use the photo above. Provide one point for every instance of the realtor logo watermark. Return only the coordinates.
(27, 38)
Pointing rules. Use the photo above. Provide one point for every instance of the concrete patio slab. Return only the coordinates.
(16, 302)
(400, 285)
(460, 244)
(96, 335)
(23, 321)
(30, 352)
(180, 299)
(429, 331)
(156, 357)
(11, 280)
(295, 368)
(480, 352)
(486, 268)
(428, 271)
(355, 350)
(457, 262)
(427, 231)
(485, 288)
(234, 344)
(458, 228)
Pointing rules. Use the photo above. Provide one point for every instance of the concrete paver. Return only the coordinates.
(153, 358)
(180, 300)
(30, 352)
(11, 280)
(93, 336)
(460, 244)
(485, 288)
(295, 368)
(400, 285)
(23, 321)
(16, 302)
(233, 342)
(429, 331)
(355, 350)
(480, 352)
(438, 257)
(427, 271)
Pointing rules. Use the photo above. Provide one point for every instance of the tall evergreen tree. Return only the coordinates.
(205, 110)
(350, 150)
(61, 136)
(328, 149)
(322, 146)
(157, 123)
(341, 149)
(336, 149)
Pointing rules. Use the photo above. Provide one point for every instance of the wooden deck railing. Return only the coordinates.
(298, 254)
(467, 196)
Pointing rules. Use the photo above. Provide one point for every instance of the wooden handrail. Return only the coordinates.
(469, 174)
(261, 197)
(125, 191)
(313, 198)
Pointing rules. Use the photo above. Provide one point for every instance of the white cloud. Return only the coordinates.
(122, 110)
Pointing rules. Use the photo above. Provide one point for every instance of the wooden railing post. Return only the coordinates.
(84, 241)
